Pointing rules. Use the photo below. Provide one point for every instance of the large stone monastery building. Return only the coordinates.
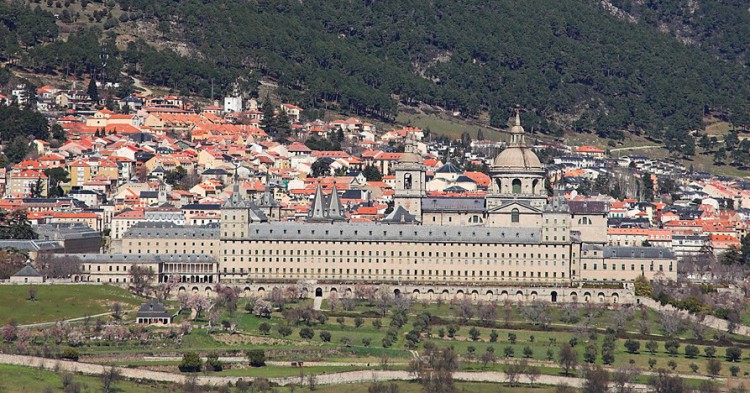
(515, 237)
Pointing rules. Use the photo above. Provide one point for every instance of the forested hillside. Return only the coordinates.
(570, 62)
(719, 27)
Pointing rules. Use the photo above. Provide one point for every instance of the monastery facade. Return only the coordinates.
(516, 237)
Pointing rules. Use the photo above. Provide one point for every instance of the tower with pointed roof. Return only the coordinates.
(237, 213)
(516, 195)
(411, 185)
(326, 209)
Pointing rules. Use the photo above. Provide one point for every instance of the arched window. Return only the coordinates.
(516, 186)
(407, 181)
(515, 216)
(533, 186)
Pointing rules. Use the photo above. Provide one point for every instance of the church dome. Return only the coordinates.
(517, 158)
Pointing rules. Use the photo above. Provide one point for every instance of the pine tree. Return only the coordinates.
(93, 91)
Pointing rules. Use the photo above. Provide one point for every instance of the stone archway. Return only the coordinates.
(504, 295)
(574, 297)
(318, 292)
(615, 298)
(397, 292)
(534, 295)
(553, 296)
(415, 294)
(430, 294)
(586, 297)
(261, 292)
(489, 295)
(195, 290)
(247, 291)
(519, 296)
(601, 297)
(475, 295)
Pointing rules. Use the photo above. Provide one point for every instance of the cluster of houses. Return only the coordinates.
(161, 160)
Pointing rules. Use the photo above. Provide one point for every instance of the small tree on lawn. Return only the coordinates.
(256, 357)
(567, 358)
(493, 336)
(709, 351)
(306, 333)
(632, 346)
(734, 370)
(191, 363)
(264, 328)
(713, 366)
(325, 336)
(691, 351)
(474, 334)
(652, 346)
(733, 354)
(358, 322)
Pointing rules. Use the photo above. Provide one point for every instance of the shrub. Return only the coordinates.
(264, 328)
(191, 363)
(512, 338)
(366, 341)
(691, 351)
(474, 333)
(256, 357)
(284, 331)
(213, 363)
(306, 333)
(734, 370)
(358, 322)
(325, 336)
(672, 346)
(493, 336)
(70, 354)
(733, 354)
(632, 346)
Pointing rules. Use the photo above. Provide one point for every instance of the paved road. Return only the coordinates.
(635, 148)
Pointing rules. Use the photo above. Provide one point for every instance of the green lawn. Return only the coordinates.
(17, 379)
(442, 124)
(280, 371)
(60, 302)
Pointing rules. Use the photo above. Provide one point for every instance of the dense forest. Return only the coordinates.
(569, 62)
(719, 27)
(566, 57)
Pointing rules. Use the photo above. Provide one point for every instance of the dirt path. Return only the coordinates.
(322, 379)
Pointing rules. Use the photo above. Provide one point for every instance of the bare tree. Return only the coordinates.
(596, 380)
(464, 310)
(58, 266)
(672, 322)
(567, 358)
(384, 300)
(487, 313)
(623, 378)
(513, 371)
(435, 370)
(163, 290)
(333, 300)
(364, 291)
(109, 377)
(537, 312)
(141, 278)
(277, 298)
(532, 372)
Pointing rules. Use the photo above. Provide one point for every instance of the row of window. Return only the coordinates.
(385, 253)
(632, 267)
(397, 272)
(377, 260)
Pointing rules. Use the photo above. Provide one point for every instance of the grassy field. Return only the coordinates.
(445, 125)
(17, 379)
(60, 302)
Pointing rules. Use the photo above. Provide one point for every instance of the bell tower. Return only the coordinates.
(410, 179)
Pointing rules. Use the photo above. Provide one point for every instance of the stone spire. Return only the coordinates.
(517, 131)
(335, 211)
(318, 210)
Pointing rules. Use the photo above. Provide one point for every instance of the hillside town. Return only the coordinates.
(161, 160)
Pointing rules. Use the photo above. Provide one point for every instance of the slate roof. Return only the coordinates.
(588, 207)
(155, 229)
(439, 204)
(399, 215)
(624, 252)
(370, 232)
(152, 310)
(27, 271)
(449, 168)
